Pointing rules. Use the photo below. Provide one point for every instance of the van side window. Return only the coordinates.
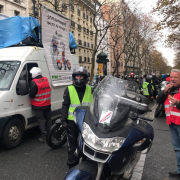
(25, 74)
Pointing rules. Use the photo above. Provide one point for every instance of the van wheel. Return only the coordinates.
(59, 66)
(12, 134)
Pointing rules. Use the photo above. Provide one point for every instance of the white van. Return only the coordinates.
(16, 114)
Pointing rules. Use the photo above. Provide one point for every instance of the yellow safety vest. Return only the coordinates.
(145, 89)
(75, 102)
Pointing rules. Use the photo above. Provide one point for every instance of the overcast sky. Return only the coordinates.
(168, 53)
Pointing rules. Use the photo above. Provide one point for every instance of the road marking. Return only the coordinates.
(138, 170)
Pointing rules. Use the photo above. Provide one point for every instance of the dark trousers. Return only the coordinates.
(44, 120)
(72, 136)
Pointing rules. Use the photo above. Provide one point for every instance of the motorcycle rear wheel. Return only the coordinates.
(158, 110)
(56, 137)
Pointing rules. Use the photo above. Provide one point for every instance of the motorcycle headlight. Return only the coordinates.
(101, 144)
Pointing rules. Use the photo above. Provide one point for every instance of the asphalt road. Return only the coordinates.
(33, 160)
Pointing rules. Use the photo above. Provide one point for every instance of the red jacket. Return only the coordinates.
(43, 96)
(172, 112)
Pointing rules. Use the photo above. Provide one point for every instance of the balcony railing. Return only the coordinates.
(79, 12)
(80, 59)
(84, 43)
(79, 42)
(84, 59)
(79, 27)
(73, 24)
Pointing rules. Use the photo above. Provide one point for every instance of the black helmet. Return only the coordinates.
(148, 79)
(80, 71)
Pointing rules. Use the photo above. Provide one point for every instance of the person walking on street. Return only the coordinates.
(75, 95)
(40, 94)
(148, 89)
(171, 98)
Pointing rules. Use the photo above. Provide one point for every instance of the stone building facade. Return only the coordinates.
(14, 7)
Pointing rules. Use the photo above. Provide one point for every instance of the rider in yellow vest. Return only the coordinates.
(148, 89)
(77, 94)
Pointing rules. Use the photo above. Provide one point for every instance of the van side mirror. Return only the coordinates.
(23, 87)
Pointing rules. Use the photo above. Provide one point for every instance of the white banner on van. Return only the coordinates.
(55, 38)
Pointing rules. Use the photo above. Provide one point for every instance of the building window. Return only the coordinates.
(16, 13)
(84, 16)
(1, 9)
(84, 56)
(91, 19)
(79, 52)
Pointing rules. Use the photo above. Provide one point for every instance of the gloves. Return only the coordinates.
(64, 124)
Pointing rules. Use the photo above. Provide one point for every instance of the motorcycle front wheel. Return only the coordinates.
(158, 110)
(56, 137)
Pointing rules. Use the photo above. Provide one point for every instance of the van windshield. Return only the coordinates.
(8, 70)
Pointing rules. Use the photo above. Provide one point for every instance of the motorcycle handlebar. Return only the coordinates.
(146, 119)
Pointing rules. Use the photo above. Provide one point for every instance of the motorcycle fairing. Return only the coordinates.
(121, 158)
(80, 113)
(106, 133)
(135, 136)
(150, 130)
(80, 143)
(76, 174)
(125, 154)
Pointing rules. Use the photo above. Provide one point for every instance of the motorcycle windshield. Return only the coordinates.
(132, 86)
(108, 105)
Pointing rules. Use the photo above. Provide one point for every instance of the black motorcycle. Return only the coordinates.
(57, 135)
(160, 106)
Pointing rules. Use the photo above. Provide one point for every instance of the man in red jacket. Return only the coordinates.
(172, 110)
(40, 94)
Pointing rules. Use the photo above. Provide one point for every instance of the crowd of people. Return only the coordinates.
(148, 84)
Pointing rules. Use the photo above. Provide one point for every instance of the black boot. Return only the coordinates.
(174, 174)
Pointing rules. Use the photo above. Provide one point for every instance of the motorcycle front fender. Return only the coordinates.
(76, 174)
